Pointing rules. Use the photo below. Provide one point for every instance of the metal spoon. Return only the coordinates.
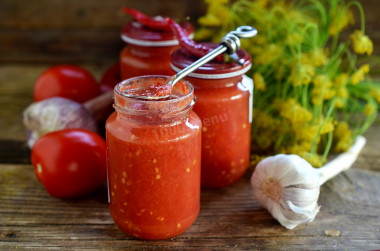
(229, 44)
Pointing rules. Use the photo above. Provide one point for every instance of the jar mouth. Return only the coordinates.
(216, 75)
(181, 99)
(181, 58)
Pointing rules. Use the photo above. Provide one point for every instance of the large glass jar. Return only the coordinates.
(148, 50)
(224, 106)
(153, 154)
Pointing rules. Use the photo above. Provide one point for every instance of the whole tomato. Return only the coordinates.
(67, 81)
(70, 162)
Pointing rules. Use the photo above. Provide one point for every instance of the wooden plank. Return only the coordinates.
(229, 219)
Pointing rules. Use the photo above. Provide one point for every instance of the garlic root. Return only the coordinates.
(101, 106)
(288, 186)
(342, 162)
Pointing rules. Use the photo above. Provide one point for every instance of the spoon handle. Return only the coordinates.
(203, 60)
(230, 44)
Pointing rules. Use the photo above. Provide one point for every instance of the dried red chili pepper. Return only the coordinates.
(168, 24)
(154, 23)
(194, 48)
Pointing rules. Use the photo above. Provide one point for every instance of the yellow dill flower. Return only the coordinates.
(259, 39)
(306, 132)
(294, 39)
(328, 127)
(361, 43)
(298, 149)
(341, 80)
(342, 137)
(343, 144)
(315, 57)
(301, 74)
(203, 34)
(369, 109)
(342, 92)
(341, 17)
(263, 120)
(342, 130)
(259, 82)
(262, 3)
(255, 159)
(293, 16)
(340, 102)
(248, 45)
(322, 89)
(321, 80)
(359, 74)
(281, 68)
(314, 159)
(217, 13)
(217, 2)
(272, 53)
(375, 92)
(210, 19)
(292, 111)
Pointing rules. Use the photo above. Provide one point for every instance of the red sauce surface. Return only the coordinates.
(154, 169)
(156, 89)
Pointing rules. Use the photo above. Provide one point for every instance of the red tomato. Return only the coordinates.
(110, 78)
(70, 162)
(67, 81)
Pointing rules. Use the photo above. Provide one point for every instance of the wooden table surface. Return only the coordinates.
(230, 218)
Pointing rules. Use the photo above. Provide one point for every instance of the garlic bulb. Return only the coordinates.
(55, 114)
(288, 186)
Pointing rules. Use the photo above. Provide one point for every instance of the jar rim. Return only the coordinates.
(181, 58)
(214, 76)
(177, 103)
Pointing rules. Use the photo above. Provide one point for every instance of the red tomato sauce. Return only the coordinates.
(226, 131)
(223, 104)
(156, 89)
(154, 165)
(148, 50)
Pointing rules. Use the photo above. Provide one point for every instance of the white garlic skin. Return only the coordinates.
(55, 114)
(288, 187)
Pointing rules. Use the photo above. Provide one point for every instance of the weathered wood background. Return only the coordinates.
(38, 34)
(88, 30)
(72, 30)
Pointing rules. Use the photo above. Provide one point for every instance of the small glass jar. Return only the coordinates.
(224, 104)
(148, 50)
(153, 155)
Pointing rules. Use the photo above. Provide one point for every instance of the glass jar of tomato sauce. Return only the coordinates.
(224, 102)
(153, 154)
(148, 50)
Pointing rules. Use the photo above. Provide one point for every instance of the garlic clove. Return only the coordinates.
(55, 114)
(288, 187)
